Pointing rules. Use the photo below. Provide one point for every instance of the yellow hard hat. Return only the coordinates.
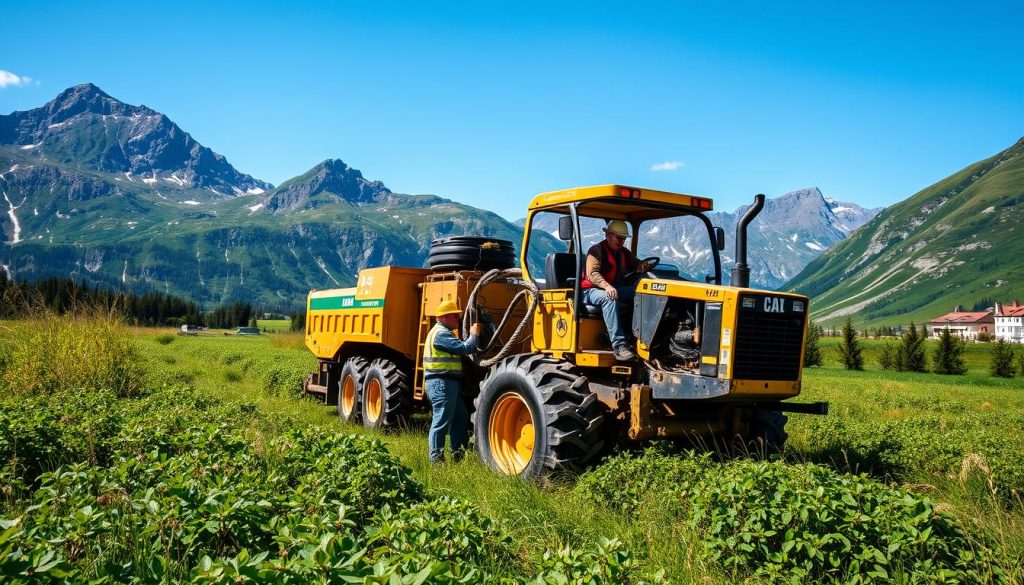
(447, 308)
(617, 227)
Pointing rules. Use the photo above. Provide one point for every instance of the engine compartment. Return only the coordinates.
(675, 342)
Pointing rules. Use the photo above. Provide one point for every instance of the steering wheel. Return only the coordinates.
(652, 261)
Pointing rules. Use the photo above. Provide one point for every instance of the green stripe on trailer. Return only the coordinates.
(345, 302)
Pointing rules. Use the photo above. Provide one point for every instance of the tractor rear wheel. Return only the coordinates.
(350, 388)
(535, 416)
(385, 395)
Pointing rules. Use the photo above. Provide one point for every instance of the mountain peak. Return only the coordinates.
(86, 127)
(88, 98)
(332, 176)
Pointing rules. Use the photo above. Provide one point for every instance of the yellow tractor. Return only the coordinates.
(714, 362)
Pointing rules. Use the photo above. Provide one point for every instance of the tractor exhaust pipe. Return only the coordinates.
(741, 271)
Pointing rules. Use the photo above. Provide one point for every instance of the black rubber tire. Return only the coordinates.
(567, 422)
(465, 253)
(767, 431)
(354, 367)
(396, 395)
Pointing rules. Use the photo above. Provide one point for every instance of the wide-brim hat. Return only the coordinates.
(617, 227)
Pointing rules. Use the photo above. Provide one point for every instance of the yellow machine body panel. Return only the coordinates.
(379, 309)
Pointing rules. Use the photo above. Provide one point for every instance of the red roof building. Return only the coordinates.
(966, 324)
(1010, 322)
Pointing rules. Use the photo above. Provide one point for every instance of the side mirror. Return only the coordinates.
(720, 238)
(565, 228)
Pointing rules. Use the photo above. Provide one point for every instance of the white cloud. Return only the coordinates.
(670, 165)
(9, 79)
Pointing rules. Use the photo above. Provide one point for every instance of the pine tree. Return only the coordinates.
(889, 357)
(298, 321)
(949, 355)
(849, 348)
(812, 353)
(913, 357)
(1002, 365)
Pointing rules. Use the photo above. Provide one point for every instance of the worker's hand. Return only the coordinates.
(614, 294)
(474, 329)
(643, 267)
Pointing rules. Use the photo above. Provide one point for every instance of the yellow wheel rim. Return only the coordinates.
(348, 395)
(511, 434)
(374, 400)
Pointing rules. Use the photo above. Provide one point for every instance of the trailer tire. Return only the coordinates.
(534, 416)
(350, 388)
(767, 431)
(465, 253)
(385, 395)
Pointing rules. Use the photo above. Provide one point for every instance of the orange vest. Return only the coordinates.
(610, 264)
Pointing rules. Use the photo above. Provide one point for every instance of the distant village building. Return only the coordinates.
(1010, 322)
(966, 324)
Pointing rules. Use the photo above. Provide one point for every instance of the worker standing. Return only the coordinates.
(442, 367)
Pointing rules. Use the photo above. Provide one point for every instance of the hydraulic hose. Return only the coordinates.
(513, 276)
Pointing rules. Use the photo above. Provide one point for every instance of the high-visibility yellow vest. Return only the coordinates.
(437, 361)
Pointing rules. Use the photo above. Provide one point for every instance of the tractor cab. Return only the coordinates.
(567, 223)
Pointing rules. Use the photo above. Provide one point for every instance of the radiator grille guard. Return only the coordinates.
(769, 338)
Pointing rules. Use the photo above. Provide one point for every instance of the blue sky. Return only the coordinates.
(491, 103)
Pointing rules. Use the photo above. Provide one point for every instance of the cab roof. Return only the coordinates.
(620, 202)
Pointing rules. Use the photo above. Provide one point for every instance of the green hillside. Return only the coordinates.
(953, 243)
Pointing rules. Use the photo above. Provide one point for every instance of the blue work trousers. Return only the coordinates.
(617, 324)
(450, 417)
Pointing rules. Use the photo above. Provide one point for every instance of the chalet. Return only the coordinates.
(966, 324)
(1009, 322)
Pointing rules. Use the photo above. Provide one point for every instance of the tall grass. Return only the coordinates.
(88, 348)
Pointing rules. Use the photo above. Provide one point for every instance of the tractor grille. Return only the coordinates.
(768, 344)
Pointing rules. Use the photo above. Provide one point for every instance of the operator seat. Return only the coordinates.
(560, 272)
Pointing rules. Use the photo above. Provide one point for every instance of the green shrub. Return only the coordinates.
(164, 338)
(798, 522)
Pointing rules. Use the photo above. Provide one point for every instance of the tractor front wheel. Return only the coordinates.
(535, 416)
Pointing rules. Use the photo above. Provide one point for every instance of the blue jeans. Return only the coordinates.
(610, 309)
(450, 416)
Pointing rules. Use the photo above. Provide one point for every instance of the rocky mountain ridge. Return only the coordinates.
(85, 127)
(120, 195)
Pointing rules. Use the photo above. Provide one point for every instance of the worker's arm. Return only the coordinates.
(446, 341)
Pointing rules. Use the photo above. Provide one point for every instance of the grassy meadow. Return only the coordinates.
(910, 478)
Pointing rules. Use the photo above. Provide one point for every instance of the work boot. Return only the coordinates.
(624, 354)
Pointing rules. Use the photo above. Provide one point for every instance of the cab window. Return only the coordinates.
(681, 242)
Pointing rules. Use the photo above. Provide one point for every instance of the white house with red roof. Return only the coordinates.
(966, 324)
(1009, 322)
